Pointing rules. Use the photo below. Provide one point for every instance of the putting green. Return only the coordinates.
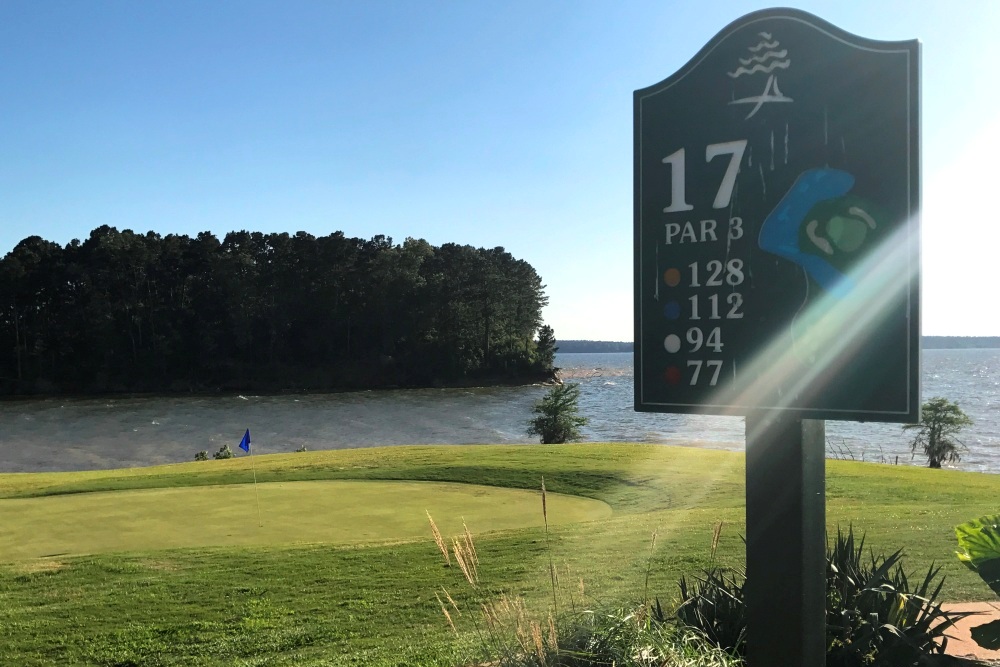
(339, 512)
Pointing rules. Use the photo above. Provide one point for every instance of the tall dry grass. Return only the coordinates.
(509, 634)
(439, 540)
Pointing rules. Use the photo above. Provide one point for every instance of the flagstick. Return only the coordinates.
(256, 494)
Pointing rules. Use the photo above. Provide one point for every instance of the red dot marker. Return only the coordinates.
(672, 375)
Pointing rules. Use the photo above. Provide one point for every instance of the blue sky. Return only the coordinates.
(490, 124)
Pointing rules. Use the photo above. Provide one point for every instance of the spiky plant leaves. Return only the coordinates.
(875, 616)
(714, 604)
(657, 614)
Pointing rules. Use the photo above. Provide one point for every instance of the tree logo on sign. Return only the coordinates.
(763, 63)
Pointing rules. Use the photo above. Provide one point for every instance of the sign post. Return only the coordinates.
(786, 541)
(777, 273)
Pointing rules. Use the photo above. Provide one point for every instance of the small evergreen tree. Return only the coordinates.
(557, 419)
(201, 456)
(940, 420)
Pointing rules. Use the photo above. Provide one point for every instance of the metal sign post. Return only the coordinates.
(777, 195)
(786, 541)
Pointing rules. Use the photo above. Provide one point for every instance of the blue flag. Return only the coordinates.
(245, 442)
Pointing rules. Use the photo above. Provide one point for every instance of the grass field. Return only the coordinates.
(290, 513)
(171, 565)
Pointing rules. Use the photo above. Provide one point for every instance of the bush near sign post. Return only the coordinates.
(776, 226)
(777, 195)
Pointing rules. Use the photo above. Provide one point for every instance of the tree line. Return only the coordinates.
(123, 311)
(571, 346)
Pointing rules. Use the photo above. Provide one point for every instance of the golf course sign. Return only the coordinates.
(776, 225)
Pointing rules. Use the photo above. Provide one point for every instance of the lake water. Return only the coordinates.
(970, 378)
(79, 434)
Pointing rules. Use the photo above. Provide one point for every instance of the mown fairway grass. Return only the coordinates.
(290, 512)
(337, 576)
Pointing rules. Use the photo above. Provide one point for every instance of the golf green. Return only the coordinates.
(336, 512)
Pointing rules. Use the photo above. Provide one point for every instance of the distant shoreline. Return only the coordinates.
(526, 379)
(960, 342)
(927, 343)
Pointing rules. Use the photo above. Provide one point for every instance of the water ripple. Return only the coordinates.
(76, 434)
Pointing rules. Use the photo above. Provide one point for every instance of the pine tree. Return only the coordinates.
(545, 349)
(557, 419)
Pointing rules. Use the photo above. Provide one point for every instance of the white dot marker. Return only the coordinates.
(672, 343)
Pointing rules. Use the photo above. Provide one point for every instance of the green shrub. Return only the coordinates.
(201, 456)
(874, 616)
(630, 639)
(616, 638)
(224, 453)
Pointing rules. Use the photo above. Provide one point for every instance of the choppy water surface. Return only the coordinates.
(76, 434)
(970, 378)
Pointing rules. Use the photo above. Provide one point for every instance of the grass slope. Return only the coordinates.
(340, 604)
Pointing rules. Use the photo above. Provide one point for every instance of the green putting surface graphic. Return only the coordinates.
(335, 512)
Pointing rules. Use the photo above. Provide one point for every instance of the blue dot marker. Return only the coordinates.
(672, 310)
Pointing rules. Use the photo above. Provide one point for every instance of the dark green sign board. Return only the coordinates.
(777, 195)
